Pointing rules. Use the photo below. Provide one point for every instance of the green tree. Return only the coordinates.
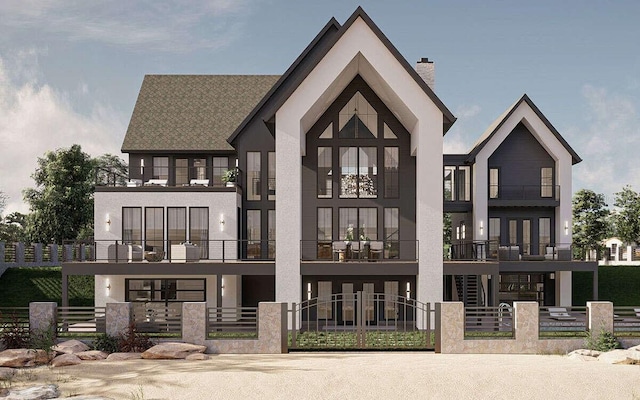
(12, 228)
(627, 216)
(111, 170)
(590, 219)
(62, 203)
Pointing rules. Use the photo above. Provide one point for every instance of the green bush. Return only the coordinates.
(43, 339)
(603, 341)
(106, 343)
(14, 334)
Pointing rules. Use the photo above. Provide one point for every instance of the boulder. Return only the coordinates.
(34, 393)
(6, 373)
(124, 356)
(90, 398)
(634, 348)
(172, 351)
(19, 358)
(585, 352)
(65, 360)
(197, 357)
(620, 357)
(92, 355)
(70, 347)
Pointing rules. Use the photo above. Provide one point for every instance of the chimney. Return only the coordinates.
(427, 71)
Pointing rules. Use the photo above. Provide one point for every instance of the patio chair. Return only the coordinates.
(355, 250)
(339, 248)
(375, 249)
(560, 314)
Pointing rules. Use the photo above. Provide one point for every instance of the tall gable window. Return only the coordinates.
(358, 119)
(358, 172)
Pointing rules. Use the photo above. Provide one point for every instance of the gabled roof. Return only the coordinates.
(192, 112)
(328, 37)
(495, 126)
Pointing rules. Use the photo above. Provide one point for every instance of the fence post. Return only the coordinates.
(526, 322)
(19, 253)
(118, 318)
(37, 253)
(53, 254)
(43, 317)
(449, 327)
(600, 316)
(67, 252)
(194, 322)
(272, 328)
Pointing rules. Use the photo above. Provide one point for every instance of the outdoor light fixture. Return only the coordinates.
(309, 291)
(142, 166)
(107, 221)
(108, 287)
(222, 288)
(481, 228)
(408, 290)
(566, 228)
(221, 222)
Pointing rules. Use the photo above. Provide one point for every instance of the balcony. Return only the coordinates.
(359, 251)
(486, 250)
(160, 178)
(524, 195)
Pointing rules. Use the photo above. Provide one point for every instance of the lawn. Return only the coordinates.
(20, 286)
(620, 285)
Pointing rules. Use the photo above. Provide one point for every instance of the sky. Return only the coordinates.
(70, 71)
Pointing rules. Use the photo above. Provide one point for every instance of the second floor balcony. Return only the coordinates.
(172, 177)
(524, 195)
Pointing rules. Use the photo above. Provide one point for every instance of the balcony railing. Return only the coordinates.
(359, 250)
(174, 251)
(488, 250)
(167, 177)
(524, 192)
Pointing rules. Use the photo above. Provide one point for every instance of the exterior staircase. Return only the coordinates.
(469, 290)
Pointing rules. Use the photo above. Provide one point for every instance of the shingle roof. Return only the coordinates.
(192, 112)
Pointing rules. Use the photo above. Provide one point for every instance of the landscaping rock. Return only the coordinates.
(620, 357)
(6, 373)
(34, 393)
(197, 357)
(65, 360)
(92, 355)
(19, 358)
(172, 351)
(634, 348)
(124, 356)
(70, 347)
(586, 352)
(89, 398)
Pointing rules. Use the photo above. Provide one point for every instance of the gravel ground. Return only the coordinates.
(376, 375)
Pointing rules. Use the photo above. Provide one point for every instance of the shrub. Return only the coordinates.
(603, 341)
(134, 341)
(14, 334)
(106, 343)
(43, 339)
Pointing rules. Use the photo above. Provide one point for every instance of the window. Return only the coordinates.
(494, 236)
(272, 175)
(546, 182)
(253, 234)
(325, 183)
(160, 167)
(253, 175)
(154, 228)
(199, 168)
(220, 166)
(176, 225)
(391, 161)
(271, 234)
(494, 183)
(358, 172)
(348, 224)
(526, 236)
(391, 232)
(327, 133)
(132, 225)
(544, 234)
(182, 171)
(199, 229)
(168, 290)
(358, 224)
(464, 184)
(388, 133)
(358, 119)
(513, 232)
(449, 183)
(325, 224)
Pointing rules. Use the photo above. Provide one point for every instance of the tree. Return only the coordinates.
(12, 228)
(62, 202)
(111, 170)
(590, 219)
(627, 216)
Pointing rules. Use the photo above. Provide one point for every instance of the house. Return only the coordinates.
(340, 187)
(618, 252)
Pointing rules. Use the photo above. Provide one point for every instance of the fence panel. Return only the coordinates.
(232, 322)
(563, 321)
(491, 322)
(158, 319)
(626, 321)
(81, 321)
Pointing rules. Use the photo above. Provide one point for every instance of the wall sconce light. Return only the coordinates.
(566, 228)
(408, 290)
(552, 276)
(221, 221)
(222, 288)
(309, 291)
(481, 228)
(107, 222)
(142, 166)
(108, 287)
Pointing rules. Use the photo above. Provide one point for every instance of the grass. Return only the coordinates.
(620, 285)
(20, 286)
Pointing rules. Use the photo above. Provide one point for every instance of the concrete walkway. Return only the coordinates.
(383, 375)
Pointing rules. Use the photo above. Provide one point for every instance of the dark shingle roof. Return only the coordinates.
(192, 112)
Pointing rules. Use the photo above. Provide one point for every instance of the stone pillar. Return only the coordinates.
(449, 327)
(600, 316)
(527, 326)
(118, 318)
(19, 253)
(53, 254)
(272, 328)
(194, 323)
(37, 253)
(42, 316)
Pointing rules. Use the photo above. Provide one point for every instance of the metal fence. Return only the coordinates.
(14, 316)
(158, 319)
(626, 321)
(81, 321)
(232, 322)
(492, 322)
(563, 321)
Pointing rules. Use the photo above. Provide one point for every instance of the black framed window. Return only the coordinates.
(272, 175)
(182, 171)
(546, 182)
(254, 233)
(253, 175)
(220, 166)
(132, 225)
(154, 228)
(160, 167)
(358, 172)
(165, 290)
(391, 163)
(176, 225)
(325, 179)
(358, 223)
(199, 229)
(494, 183)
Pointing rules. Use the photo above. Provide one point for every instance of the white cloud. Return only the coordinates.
(171, 25)
(463, 134)
(35, 118)
(609, 145)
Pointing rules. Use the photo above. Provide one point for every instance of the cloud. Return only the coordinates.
(171, 25)
(609, 145)
(35, 118)
(463, 134)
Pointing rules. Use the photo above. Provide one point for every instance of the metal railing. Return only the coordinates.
(524, 192)
(626, 321)
(158, 319)
(529, 252)
(199, 176)
(561, 321)
(81, 321)
(493, 322)
(359, 250)
(472, 250)
(232, 322)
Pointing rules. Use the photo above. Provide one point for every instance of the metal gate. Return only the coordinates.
(361, 320)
